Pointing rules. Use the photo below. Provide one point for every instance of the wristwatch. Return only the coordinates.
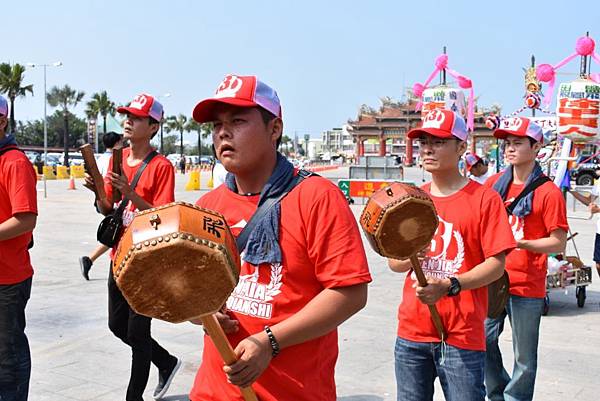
(454, 289)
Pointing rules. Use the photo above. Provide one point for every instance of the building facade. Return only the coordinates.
(383, 132)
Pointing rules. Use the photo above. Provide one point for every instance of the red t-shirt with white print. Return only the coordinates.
(472, 227)
(156, 185)
(321, 248)
(527, 270)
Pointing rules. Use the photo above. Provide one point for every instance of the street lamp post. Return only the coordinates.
(162, 122)
(33, 65)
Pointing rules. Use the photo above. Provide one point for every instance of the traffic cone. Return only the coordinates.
(72, 183)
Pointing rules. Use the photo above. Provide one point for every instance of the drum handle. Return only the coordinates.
(217, 335)
(435, 316)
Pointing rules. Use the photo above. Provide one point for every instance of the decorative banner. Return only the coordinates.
(578, 107)
(92, 132)
(441, 64)
(563, 163)
(443, 97)
(361, 188)
(547, 73)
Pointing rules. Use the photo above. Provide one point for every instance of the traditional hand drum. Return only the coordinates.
(399, 221)
(179, 262)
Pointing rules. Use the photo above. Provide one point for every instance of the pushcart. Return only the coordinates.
(573, 274)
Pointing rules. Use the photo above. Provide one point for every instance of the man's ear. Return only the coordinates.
(3, 123)
(276, 127)
(462, 147)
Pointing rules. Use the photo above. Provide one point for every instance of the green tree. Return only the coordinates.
(100, 104)
(178, 124)
(169, 145)
(11, 83)
(203, 130)
(285, 144)
(65, 98)
(32, 132)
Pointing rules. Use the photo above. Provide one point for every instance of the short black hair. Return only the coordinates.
(110, 139)
(532, 141)
(153, 121)
(267, 117)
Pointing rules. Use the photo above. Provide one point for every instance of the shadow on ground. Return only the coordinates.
(562, 304)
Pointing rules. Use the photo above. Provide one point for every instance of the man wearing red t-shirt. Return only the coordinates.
(18, 215)
(155, 187)
(539, 225)
(466, 254)
(304, 268)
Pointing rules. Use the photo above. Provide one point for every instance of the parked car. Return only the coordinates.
(173, 158)
(53, 160)
(585, 173)
(75, 159)
(32, 156)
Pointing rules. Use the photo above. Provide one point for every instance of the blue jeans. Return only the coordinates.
(15, 359)
(418, 364)
(524, 315)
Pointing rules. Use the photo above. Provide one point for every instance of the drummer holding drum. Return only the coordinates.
(304, 269)
(466, 254)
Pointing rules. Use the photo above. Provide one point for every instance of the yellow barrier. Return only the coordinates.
(48, 172)
(193, 183)
(62, 173)
(210, 184)
(78, 171)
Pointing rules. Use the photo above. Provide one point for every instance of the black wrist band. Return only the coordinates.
(274, 344)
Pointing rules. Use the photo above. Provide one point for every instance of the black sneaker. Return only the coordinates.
(165, 377)
(86, 264)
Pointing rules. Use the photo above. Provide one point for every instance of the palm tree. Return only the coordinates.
(285, 143)
(178, 123)
(203, 130)
(11, 79)
(100, 104)
(65, 98)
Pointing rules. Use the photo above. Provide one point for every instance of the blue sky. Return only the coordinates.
(325, 58)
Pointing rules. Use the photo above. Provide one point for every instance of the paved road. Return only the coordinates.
(75, 357)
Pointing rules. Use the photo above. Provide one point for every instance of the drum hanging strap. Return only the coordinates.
(121, 208)
(242, 238)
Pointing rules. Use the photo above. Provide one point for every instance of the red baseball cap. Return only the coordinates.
(471, 159)
(237, 90)
(519, 126)
(143, 106)
(442, 124)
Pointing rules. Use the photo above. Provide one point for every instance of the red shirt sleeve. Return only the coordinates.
(334, 242)
(496, 234)
(555, 210)
(164, 184)
(21, 187)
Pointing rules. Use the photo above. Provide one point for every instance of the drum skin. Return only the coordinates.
(399, 220)
(177, 262)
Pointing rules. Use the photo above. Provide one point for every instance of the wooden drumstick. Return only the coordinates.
(435, 316)
(217, 335)
(117, 161)
(91, 167)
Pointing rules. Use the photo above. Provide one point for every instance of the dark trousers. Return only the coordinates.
(15, 359)
(134, 330)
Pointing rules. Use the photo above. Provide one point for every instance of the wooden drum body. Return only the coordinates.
(399, 221)
(177, 262)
